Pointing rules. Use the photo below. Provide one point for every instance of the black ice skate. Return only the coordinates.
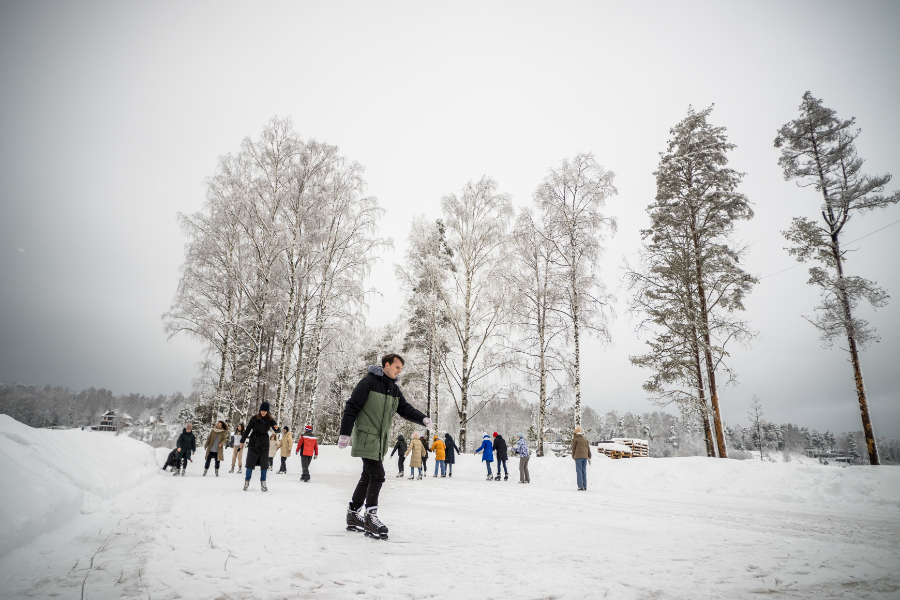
(373, 525)
(204, 472)
(355, 522)
(506, 477)
(497, 478)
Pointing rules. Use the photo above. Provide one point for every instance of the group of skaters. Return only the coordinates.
(264, 445)
(445, 455)
(365, 426)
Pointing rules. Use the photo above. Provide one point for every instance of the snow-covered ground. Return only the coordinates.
(647, 528)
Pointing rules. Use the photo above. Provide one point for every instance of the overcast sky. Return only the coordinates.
(112, 115)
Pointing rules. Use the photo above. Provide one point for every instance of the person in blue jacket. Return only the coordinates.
(487, 456)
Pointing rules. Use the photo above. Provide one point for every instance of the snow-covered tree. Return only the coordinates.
(474, 297)
(818, 151)
(691, 285)
(569, 201)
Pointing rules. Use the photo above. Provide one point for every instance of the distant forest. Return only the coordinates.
(158, 419)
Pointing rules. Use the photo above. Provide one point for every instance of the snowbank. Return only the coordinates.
(48, 475)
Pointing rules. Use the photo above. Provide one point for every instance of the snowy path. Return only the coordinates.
(463, 537)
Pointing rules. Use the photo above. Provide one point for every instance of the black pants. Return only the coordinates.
(184, 462)
(400, 463)
(425, 465)
(211, 457)
(271, 462)
(283, 464)
(369, 485)
(501, 463)
(304, 462)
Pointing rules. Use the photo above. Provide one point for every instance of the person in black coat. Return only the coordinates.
(257, 430)
(400, 447)
(502, 456)
(450, 450)
(185, 445)
(170, 460)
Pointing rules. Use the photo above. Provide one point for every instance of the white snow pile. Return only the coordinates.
(50, 476)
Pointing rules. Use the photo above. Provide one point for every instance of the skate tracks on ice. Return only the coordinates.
(463, 537)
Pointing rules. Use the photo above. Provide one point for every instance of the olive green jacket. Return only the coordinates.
(369, 413)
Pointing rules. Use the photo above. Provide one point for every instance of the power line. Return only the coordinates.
(850, 242)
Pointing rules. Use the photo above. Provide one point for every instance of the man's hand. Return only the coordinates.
(343, 441)
(427, 423)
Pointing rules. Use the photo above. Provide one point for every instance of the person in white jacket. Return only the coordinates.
(236, 452)
(273, 448)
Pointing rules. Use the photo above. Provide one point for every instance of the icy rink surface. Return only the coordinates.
(647, 528)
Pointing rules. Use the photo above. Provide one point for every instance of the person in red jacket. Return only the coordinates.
(310, 446)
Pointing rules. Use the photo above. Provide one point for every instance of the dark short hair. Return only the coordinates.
(388, 359)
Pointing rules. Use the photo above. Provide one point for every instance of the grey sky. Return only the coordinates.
(112, 115)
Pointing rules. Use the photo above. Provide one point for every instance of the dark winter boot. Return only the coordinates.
(355, 521)
(204, 472)
(506, 477)
(374, 527)
(217, 472)
(450, 474)
(246, 484)
(262, 484)
(497, 478)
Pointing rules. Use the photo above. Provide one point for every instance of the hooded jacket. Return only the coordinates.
(188, 444)
(488, 448)
(438, 448)
(450, 449)
(400, 446)
(369, 413)
(417, 451)
(287, 440)
(308, 443)
(580, 447)
(500, 447)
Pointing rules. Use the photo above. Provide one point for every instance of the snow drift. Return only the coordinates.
(49, 476)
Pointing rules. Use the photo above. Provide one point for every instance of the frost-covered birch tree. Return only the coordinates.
(474, 298)
(536, 311)
(569, 201)
(818, 151)
(274, 267)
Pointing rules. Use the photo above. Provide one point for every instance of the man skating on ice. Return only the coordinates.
(368, 415)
